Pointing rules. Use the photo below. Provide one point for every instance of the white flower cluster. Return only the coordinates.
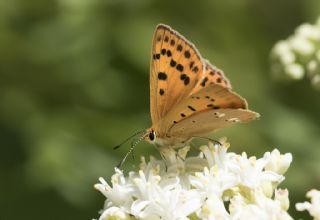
(216, 184)
(299, 55)
(314, 207)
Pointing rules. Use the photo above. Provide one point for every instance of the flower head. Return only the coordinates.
(299, 55)
(216, 184)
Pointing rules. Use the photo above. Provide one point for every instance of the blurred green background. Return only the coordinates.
(74, 83)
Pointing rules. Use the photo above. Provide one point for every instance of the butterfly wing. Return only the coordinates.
(210, 120)
(216, 103)
(175, 70)
(211, 75)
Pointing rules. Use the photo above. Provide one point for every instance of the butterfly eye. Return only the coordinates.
(152, 136)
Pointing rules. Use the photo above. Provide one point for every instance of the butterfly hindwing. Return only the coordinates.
(213, 96)
(210, 120)
(176, 69)
(211, 75)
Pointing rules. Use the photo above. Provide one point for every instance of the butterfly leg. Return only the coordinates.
(180, 157)
(193, 146)
(163, 158)
(208, 139)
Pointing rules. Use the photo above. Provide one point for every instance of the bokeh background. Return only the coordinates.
(74, 83)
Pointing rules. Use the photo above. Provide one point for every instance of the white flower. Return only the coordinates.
(287, 58)
(216, 155)
(276, 162)
(259, 207)
(295, 71)
(253, 175)
(298, 55)
(301, 45)
(213, 181)
(114, 213)
(309, 31)
(164, 199)
(282, 195)
(213, 209)
(120, 192)
(314, 207)
(214, 185)
(282, 47)
(283, 51)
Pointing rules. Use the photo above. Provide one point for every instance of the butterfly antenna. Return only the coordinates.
(130, 151)
(126, 140)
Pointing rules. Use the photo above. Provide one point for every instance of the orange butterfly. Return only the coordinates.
(189, 97)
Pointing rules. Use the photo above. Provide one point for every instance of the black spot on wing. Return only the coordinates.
(191, 108)
(204, 81)
(162, 76)
(187, 80)
(195, 69)
(191, 64)
(173, 63)
(179, 67)
(183, 76)
(187, 54)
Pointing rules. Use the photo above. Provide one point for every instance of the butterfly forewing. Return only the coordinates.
(176, 69)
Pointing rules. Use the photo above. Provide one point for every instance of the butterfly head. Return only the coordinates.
(151, 136)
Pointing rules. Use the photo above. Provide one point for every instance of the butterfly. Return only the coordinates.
(189, 97)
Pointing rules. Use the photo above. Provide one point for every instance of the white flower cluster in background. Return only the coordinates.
(314, 207)
(214, 185)
(299, 55)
